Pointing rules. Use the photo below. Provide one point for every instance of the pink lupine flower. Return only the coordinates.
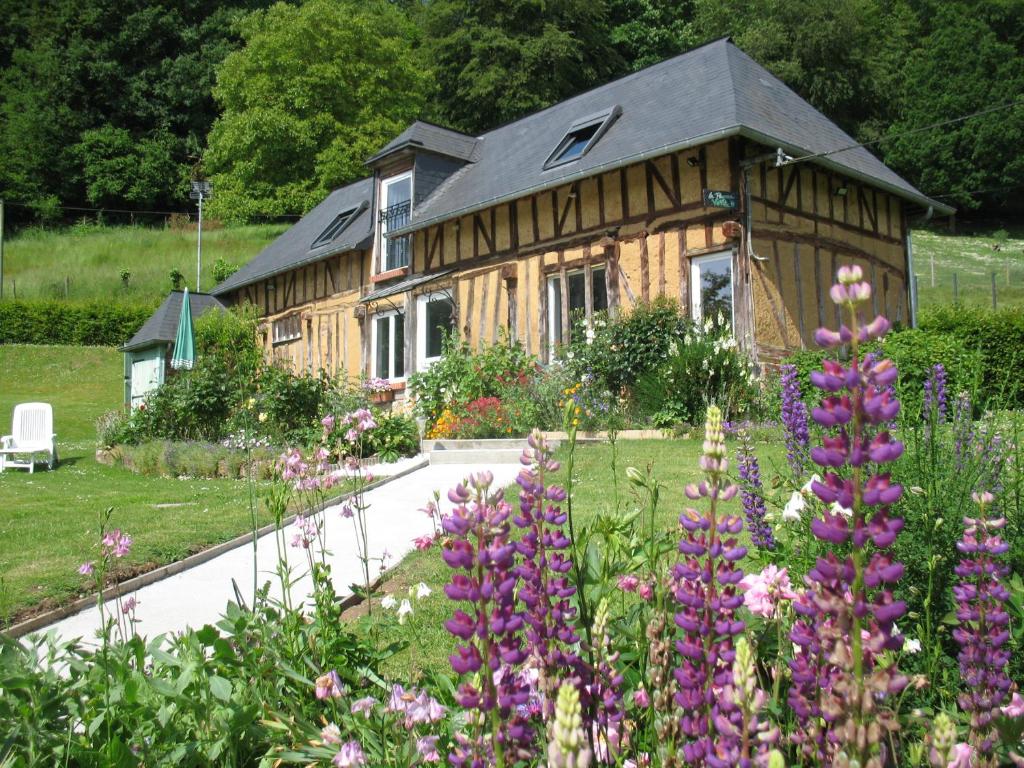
(963, 756)
(363, 706)
(641, 698)
(349, 756)
(427, 749)
(329, 686)
(424, 542)
(328, 422)
(86, 569)
(763, 591)
(1015, 708)
(628, 583)
(645, 591)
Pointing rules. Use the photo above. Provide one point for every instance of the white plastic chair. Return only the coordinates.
(32, 428)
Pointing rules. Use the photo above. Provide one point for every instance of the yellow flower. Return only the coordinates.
(575, 422)
(262, 417)
(252, 403)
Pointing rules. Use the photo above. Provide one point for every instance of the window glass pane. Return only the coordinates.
(399, 350)
(600, 290)
(716, 290)
(383, 346)
(399, 191)
(555, 315)
(576, 142)
(439, 321)
(398, 252)
(577, 292)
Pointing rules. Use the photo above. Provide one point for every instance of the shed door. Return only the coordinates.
(145, 376)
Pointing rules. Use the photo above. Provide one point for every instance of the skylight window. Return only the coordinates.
(581, 136)
(336, 227)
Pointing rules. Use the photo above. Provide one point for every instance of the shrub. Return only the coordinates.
(394, 436)
(166, 458)
(705, 367)
(997, 336)
(61, 322)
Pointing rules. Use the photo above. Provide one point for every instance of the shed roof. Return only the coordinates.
(162, 325)
(295, 246)
(708, 93)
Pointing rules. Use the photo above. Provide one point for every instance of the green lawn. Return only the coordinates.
(973, 259)
(37, 261)
(674, 463)
(49, 520)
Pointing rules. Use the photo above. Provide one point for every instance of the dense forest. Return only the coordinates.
(117, 104)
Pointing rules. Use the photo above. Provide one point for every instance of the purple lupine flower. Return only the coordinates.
(983, 633)
(751, 494)
(794, 420)
(847, 617)
(935, 393)
(480, 551)
(707, 589)
(545, 589)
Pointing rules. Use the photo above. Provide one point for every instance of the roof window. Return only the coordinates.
(336, 227)
(581, 136)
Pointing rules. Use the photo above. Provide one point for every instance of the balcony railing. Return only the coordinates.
(396, 216)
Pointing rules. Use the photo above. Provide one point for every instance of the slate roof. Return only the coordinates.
(162, 325)
(294, 247)
(404, 285)
(705, 94)
(433, 138)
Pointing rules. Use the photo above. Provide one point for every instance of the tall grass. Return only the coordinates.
(87, 261)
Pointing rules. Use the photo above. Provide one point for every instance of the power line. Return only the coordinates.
(135, 211)
(911, 132)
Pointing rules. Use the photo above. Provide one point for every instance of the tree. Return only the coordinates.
(838, 55)
(970, 61)
(315, 90)
(648, 31)
(497, 60)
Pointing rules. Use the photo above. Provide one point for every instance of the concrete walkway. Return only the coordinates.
(199, 595)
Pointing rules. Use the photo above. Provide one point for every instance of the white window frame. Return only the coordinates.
(696, 310)
(277, 329)
(554, 321)
(383, 206)
(391, 345)
(422, 361)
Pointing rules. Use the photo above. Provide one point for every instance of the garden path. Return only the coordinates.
(199, 595)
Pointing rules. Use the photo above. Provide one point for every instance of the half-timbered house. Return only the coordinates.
(703, 178)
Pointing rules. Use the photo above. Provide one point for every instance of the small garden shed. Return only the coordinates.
(147, 355)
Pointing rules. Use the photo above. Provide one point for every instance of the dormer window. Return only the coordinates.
(395, 212)
(336, 227)
(581, 136)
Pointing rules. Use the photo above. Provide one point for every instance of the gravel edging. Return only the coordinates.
(162, 572)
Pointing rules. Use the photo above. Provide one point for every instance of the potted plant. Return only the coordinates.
(379, 390)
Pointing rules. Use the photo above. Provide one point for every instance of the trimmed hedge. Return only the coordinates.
(997, 336)
(94, 323)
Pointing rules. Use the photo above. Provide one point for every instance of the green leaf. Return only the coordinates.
(220, 687)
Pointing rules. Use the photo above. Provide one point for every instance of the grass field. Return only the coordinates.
(972, 259)
(37, 262)
(49, 520)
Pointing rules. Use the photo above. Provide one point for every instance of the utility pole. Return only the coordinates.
(1, 248)
(200, 191)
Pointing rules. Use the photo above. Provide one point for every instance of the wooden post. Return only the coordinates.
(956, 289)
(1, 249)
(993, 290)
(67, 285)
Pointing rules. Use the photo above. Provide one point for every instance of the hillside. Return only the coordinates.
(88, 259)
(36, 262)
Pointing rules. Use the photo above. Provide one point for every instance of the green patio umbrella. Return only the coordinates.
(184, 342)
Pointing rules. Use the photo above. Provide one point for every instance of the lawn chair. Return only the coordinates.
(32, 429)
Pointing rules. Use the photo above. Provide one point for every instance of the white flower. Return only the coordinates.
(405, 609)
(839, 509)
(807, 489)
(388, 603)
(420, 591)
(911, 645)
(794, 506)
